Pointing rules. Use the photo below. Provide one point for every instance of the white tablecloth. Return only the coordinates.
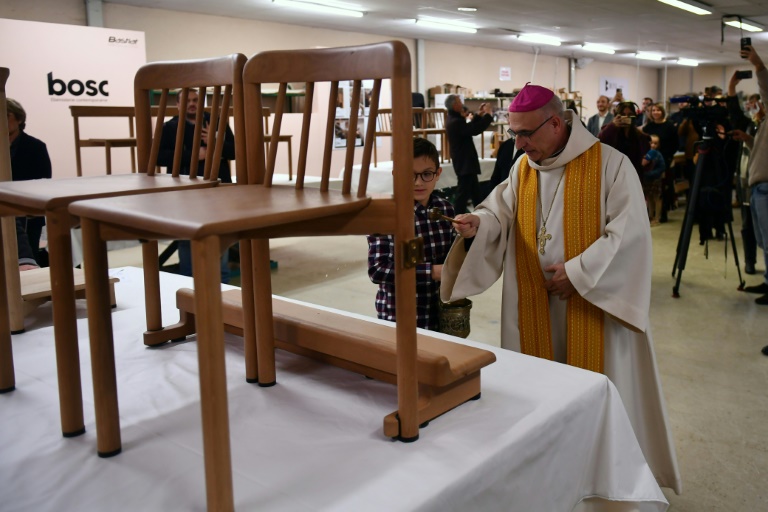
(543, 437)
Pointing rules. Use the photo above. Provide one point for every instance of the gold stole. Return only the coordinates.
(581, 226)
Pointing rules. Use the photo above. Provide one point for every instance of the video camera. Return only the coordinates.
(706, 117)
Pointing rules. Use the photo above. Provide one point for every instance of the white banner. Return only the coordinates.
(55, 66)
(609, 86)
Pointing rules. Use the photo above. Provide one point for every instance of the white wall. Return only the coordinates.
(177, 35)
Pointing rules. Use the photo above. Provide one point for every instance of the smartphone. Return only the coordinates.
(618, 91)
(744, 74)
(745, 41)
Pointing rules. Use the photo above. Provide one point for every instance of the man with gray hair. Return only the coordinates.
(569, 231)
(463, 152)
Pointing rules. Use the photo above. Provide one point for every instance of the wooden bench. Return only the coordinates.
(106, 143)
(448, 373)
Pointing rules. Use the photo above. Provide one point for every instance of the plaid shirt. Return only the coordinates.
(438, 237)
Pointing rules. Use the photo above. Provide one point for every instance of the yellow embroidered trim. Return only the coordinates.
(581, 221)
(533, 299)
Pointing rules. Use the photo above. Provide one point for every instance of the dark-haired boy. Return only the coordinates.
(437, 234)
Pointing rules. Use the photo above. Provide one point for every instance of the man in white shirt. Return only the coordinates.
(603, 116)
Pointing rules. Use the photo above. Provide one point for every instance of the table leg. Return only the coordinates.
(7, 375)
(265, 336)
(59, 223)
(213, 383)
(101, 340)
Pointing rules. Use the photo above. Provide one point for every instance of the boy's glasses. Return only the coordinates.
(527, 134)
(425, 176)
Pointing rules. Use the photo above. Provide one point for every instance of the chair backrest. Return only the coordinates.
(435, 118)
(219, 80)
(384, 121)
(374, 63)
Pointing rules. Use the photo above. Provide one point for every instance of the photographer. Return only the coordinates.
(623, 135)
(758, 176)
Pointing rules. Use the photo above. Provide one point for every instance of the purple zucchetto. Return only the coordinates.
(531, 97)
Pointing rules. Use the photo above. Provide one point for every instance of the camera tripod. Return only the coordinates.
(704, 149)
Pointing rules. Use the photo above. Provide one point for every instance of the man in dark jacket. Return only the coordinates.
(29, 161)
(463, 152)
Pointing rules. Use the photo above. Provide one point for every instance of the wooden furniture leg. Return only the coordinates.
(12, 277)
(265, 336)
(149, 254)
(7, 375)
(59, 222)
(108, 441)
(213, 382)
(249, 321)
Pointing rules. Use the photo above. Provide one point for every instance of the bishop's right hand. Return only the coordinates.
(466, 224)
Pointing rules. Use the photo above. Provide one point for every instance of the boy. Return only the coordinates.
(653, 167)
(437, 234)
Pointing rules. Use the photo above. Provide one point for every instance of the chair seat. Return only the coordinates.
(218, 211)
(41, 195)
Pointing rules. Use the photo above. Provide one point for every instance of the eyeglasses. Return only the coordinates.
(527, 134)
(425, 176)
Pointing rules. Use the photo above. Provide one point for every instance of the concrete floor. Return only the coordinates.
(707, 343)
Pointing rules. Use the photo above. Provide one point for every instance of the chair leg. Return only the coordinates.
(152, 303)
(249, 321)
(290, 161)
(108, 151)
(108, 441)
(58, 223)
(213, 382)
(265, 337)
(375, 153)
(407, 380)
(7, 375)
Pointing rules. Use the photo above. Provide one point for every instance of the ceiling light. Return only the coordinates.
(454, 26)
(539, 38)
(689, 5)
(744, 24)
(467, 9)
(687, 62)
(600, 48)
(319, 8)
(648, 56)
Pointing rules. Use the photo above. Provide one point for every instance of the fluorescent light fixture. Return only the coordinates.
(748, 25)
(319, 8)
(599, 48)
(648, 56)
(440, 24)
(689, 5)
(688, 62)
(540, 39)
(467, 9)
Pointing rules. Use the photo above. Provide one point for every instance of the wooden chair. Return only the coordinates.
(281, 138)
(384, 126)
(53, 197)
(259, 211)
(25, 291)
(79, 112)
(435, 121)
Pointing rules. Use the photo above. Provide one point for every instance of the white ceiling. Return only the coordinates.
(629, 25)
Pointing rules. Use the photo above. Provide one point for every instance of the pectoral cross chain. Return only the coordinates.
(542, 238)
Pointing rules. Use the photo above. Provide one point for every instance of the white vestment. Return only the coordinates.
(614, 274)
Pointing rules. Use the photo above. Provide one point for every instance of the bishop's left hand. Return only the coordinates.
(559, 285)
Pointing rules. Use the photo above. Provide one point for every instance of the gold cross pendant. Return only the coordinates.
(542, 238)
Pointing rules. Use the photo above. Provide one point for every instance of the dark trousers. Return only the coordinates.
(467, 188)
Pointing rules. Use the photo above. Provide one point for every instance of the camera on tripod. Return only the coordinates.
(705, 117)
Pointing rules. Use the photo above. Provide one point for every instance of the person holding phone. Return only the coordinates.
(758, 177)
(624, 135)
